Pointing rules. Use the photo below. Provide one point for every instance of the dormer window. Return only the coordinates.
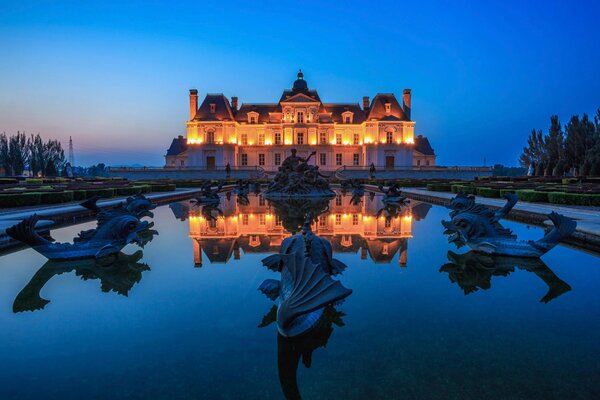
(388, 108)
(213, 108)
(253, 117)
(347, 117)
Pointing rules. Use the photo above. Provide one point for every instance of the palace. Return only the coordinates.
(381, 132)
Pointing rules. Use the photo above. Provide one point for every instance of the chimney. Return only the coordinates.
(366, 103)
(234, 103)
(193, 103)
(406, 102)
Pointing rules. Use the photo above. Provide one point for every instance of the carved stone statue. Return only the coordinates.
(139, 206)
(392, 195)
(208, 195)
(296, 178)
(306, 287)
(109, 238)
(479, 229)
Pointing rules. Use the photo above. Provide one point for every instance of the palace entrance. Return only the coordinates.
(389, 162)
(210, 162)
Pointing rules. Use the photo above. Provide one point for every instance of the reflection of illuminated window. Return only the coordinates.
(254, 241)
(323, 159)
(338, 159)
(355, 159)
(277, 220)
(338, 200)
(245, 219)
(354, 219)
(338, 219)
(322, 222)
(212, 223)
(277, 158)
(388, 222)
(261, 159)
(261, 219)
(244, 159)
(261, 200)
(385, 249)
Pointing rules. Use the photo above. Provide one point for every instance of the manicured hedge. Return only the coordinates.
(56, 197)
(80, 195)
(438, 187)
(467, 189)
(104, 193)
(532, 196)
(574, 199)
(488, 192)
(163, 187)
(504, 191)
(20, 199)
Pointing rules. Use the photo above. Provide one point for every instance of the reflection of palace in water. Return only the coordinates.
(256, 228)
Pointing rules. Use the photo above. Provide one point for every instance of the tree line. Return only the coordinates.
(574, 150)
(19, 153)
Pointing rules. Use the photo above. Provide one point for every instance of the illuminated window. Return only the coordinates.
(338, 200)
(338, 159)
(277, 159)
(277, 137)
(354, 219)
(322, 159)
(253, 119)
(210, 137)
(261, 219)
(388, 222)
(322, 222)
(212, 223)
(356, 138)
(261, 159)
(388, 107)
(355, 159)
(244, 159)
(323, 137)
(389, 137)
(261, 138)
(244, 139)
(213, 108)
(300, 118)
(277, 220)
(338, 219)
(347, 119)
(261, 200)
(300, 138)
(245, 219)
(386, 249)
(338, 138)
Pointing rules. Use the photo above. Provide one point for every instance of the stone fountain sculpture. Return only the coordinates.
(294, 212)
(306, 287)
(473, 271)
(297, 179)
(208, 195)
(118, 273)
(138, 206)
(477, 226)
(108, 238)
(392, 195)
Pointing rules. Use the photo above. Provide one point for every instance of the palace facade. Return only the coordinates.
(380, 132)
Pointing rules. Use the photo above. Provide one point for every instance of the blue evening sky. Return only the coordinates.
(116, 76)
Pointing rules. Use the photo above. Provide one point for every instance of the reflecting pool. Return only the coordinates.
(181, 318)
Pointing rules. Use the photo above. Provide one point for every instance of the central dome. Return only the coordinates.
(300, 83)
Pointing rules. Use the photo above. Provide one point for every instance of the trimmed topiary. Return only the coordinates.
(532, 196)
(20, 199)
(488, 192)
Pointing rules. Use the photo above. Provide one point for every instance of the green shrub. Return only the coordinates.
(488, 192)
(163, 187)
(532, 196)
(438, 187)
(103, 193)
(143, 188)
(34, 181)
(56, 197)
(20, 199)
(577, 199)
(80, 195)
(467, 189)
(504, 191)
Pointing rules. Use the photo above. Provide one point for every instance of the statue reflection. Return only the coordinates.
(117, 273)
(473, 271)
(291, 350)
(373, 229)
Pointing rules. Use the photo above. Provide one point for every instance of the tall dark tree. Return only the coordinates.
(4, 156)
(534, 153)
(554, 148)
(581, 137)
(37, 159)
(17, 153)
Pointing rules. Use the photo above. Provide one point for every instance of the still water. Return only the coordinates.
(180, 319)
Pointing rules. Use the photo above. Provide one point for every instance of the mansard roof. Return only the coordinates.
(377, 108)
(423, 146)
(337, 109)
(178, 146)
(263, 111)
(292, 92)
(222, 109)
